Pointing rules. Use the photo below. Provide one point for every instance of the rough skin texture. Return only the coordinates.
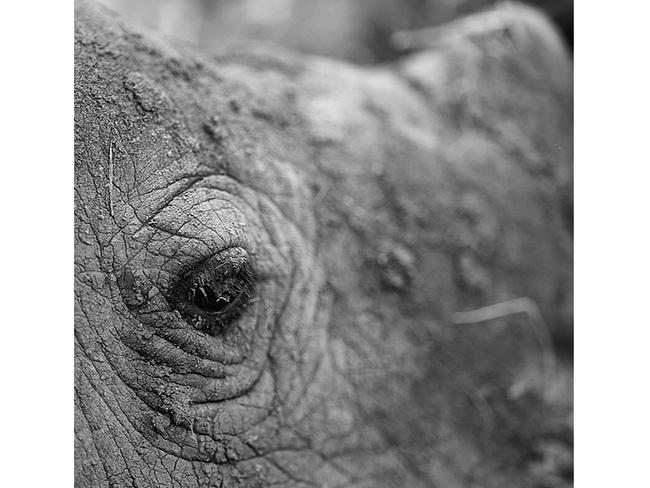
(372, 204)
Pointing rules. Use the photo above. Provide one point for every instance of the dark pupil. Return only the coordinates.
(205, 299)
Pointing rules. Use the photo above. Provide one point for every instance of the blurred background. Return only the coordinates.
(354, 30)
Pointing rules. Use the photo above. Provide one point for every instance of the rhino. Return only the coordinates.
(287, 266)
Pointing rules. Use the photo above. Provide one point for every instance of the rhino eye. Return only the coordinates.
(206, 299)
(215, 294)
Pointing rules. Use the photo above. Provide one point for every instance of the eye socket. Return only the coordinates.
(215, 294)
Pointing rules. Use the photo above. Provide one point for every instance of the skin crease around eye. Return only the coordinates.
(213, 296)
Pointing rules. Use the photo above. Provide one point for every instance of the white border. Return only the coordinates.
(612, 415)
(612, 243)
(36, 201)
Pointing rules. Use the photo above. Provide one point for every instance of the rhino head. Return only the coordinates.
(271, 250)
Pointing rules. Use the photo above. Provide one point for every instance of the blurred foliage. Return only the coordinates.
(356, 30)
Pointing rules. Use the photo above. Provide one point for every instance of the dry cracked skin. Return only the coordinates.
(270, 249)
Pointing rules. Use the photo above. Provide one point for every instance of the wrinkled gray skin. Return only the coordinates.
(371, 205)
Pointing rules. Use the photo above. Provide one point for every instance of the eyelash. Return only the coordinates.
(200, 295)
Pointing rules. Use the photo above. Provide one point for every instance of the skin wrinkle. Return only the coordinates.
(92, 386)
(219, 373)
(170, 362)
(135, 429)
(143, 248)
(153, 236)
(221, 360)
(78, 441)
(193, 180)
(107, 403)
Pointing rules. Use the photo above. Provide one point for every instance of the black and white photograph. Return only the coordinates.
(326, 244)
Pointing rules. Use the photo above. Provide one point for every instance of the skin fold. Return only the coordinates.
(354, 211)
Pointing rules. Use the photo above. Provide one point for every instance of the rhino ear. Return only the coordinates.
(506, 70)
(509, 37)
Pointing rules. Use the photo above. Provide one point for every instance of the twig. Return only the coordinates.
(511, 307)
(110, 177)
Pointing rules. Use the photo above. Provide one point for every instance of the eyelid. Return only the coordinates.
(233, 256)
(220, 268)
